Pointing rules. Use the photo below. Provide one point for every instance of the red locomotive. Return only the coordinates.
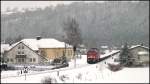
(93, 55)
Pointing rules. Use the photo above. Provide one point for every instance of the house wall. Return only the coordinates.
(52, 53)
(30, 55)
(140, 58)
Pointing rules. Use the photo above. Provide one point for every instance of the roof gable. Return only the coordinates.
(27, 47)
(136, 46)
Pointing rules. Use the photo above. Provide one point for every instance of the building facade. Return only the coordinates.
(140, 54)
(22, 54)
(37, 51)
(52, 53)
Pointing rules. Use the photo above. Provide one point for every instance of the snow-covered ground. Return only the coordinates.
(84, 73)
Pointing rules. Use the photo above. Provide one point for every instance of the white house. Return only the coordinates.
(20, 53)
(29, 51)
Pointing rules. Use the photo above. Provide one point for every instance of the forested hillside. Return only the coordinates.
(110, 23)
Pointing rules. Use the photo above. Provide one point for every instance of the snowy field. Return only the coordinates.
(83, 73)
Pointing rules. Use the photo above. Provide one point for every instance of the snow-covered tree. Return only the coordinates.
(125, 56)
(72, 34)
(64, 59)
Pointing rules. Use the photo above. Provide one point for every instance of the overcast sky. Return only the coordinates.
(33, 4)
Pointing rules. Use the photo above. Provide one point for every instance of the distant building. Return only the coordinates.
(140, 54)
(82, 49)
(21, 53)
(104, 49)
(36, 51)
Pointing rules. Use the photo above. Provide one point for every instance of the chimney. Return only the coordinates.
(141, 44)
(38, 37)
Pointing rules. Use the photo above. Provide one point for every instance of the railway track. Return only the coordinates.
(61, 69)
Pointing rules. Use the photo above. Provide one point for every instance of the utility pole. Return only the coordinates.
(64, 37)
(74, 49)
(65, 48)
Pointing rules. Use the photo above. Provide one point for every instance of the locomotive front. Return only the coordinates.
(93, 55)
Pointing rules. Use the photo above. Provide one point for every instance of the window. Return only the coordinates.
(70, 52)
(33, 59)
(19, 52)
(30, 59)
(22, 60)
(11, 60)
(8, 60)
(22, 47)
(18, 47)
(116, 60)
(22, 52)
(138, 56)
(19, 60)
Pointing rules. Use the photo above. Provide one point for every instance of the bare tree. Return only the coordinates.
(72, 34)
(11, 40)
(19, 38)
(72, 31)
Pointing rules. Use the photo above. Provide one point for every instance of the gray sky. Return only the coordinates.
(33, 4)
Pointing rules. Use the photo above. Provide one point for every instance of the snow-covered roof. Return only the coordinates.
(4, 47)
(42, 43)
(134, 46)
(110, 53)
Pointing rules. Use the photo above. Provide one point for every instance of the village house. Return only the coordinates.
(140, 54)
(81, 49)
(104, 49)
(37, 50)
